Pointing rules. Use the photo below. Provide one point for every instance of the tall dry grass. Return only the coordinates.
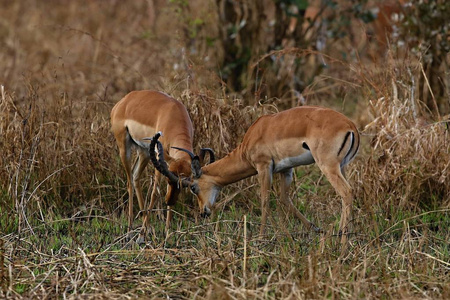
(408, 159)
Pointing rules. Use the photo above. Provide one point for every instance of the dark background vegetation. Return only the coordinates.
(64, 64)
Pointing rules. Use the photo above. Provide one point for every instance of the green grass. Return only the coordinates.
(198, 255)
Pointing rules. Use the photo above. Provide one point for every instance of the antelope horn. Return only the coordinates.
(161, 165)
(185, 150)
(203, 152)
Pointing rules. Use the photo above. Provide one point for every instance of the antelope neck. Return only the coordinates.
(229, 169)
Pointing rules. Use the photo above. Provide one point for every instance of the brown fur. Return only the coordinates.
(272, 140)
(140, 114)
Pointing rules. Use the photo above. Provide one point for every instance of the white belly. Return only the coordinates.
(305, 158)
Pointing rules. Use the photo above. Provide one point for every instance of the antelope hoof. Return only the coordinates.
(129, 236)
(141, 239)
(206, 213)
(316, 229)
(343, 233)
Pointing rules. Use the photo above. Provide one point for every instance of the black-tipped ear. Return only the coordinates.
(196, 167)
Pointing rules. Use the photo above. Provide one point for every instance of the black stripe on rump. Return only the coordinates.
(356, 151)
(345, 140)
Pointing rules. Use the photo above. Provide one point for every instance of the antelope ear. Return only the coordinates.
(196, 167)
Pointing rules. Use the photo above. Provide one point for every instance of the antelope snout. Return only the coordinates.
(206, 212)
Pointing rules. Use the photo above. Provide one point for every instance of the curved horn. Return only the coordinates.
(212, 157)
(161, 165)
(185, 150)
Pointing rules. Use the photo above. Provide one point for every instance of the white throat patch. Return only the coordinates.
(213, 196)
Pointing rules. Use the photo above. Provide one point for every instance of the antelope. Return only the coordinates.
(138, 115)
(276, 144)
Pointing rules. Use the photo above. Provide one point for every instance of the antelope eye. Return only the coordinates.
(194, 189)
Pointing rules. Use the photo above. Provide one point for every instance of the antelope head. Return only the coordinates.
(197, 187)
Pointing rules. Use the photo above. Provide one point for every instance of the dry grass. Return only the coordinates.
(63, 191)
(408, 159)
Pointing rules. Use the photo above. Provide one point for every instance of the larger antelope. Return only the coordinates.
(141, 114)
(276, 144)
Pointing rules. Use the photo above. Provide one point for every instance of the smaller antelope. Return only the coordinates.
(138, 115)
(276, 144)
